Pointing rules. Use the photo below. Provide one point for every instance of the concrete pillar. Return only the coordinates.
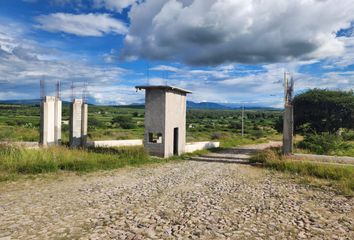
(57, 121)
(84, 119)
(50, 121)
(78, 123)
(288, 129)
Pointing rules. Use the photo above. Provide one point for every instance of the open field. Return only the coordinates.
(21, 123)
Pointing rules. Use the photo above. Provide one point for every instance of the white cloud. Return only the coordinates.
(22, 65)
(81, 24)
(212, 32)
(113, 5)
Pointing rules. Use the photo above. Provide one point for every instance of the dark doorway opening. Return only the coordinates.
(175, 141)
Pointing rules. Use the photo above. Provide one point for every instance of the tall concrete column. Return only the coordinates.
(84, 120)
(288, 129)
(57, 120)
(50, 121)
(78, 123)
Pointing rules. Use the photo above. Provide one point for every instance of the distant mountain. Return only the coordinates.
(23, 101)
(205, 105)
(190, 104)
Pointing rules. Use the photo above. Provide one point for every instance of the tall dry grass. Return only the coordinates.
(342, 176)
(15, 161)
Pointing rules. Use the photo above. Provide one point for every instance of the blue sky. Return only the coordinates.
(223, 50)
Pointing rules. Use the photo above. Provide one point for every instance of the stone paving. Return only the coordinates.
(183, 200)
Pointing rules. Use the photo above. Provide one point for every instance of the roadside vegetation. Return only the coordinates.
(325, 119)
(340, 177)
(15, 162)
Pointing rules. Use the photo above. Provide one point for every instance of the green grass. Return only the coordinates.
(340, 176)
(15, 162)
(235, 141)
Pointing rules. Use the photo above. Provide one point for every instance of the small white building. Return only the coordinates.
(165, 120)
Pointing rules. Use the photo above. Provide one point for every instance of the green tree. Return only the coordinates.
(324, 110)
(125, 122)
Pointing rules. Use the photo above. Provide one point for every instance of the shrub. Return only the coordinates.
(323, 143)
(125, 122)
(216, 136)
(272, 154)
(348, 135)
(94, 123)
(235, 125)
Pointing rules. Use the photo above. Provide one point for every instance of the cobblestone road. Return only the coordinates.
(183, 200)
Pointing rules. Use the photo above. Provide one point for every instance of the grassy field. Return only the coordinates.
(341, 177)
(21, 123)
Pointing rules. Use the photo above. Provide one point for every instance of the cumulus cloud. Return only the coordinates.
(81, 24)
(23, 63)
(212, 32)
(113, 5)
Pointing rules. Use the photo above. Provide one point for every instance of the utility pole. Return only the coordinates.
(288, 124)
(243, 120)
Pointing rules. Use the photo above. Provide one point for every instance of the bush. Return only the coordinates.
(235, 125)
(272, 154)
(94, 123)
(125, 122)
(323, 143)
(348, 135)
(216, 136)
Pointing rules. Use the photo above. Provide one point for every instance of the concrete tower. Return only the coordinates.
(50, 121)
(165, 120)
(288, 118)
(78, 123)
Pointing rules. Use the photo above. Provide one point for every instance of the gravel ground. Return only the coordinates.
(183, 200)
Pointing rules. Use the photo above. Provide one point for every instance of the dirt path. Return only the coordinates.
(197, 200)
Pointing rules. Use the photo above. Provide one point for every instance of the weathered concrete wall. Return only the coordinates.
(165, 110)
(288, 129)
(175, 117)
(50, 121)
(116, 143)
(195, 146)
(155, 101)
(78, 123)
